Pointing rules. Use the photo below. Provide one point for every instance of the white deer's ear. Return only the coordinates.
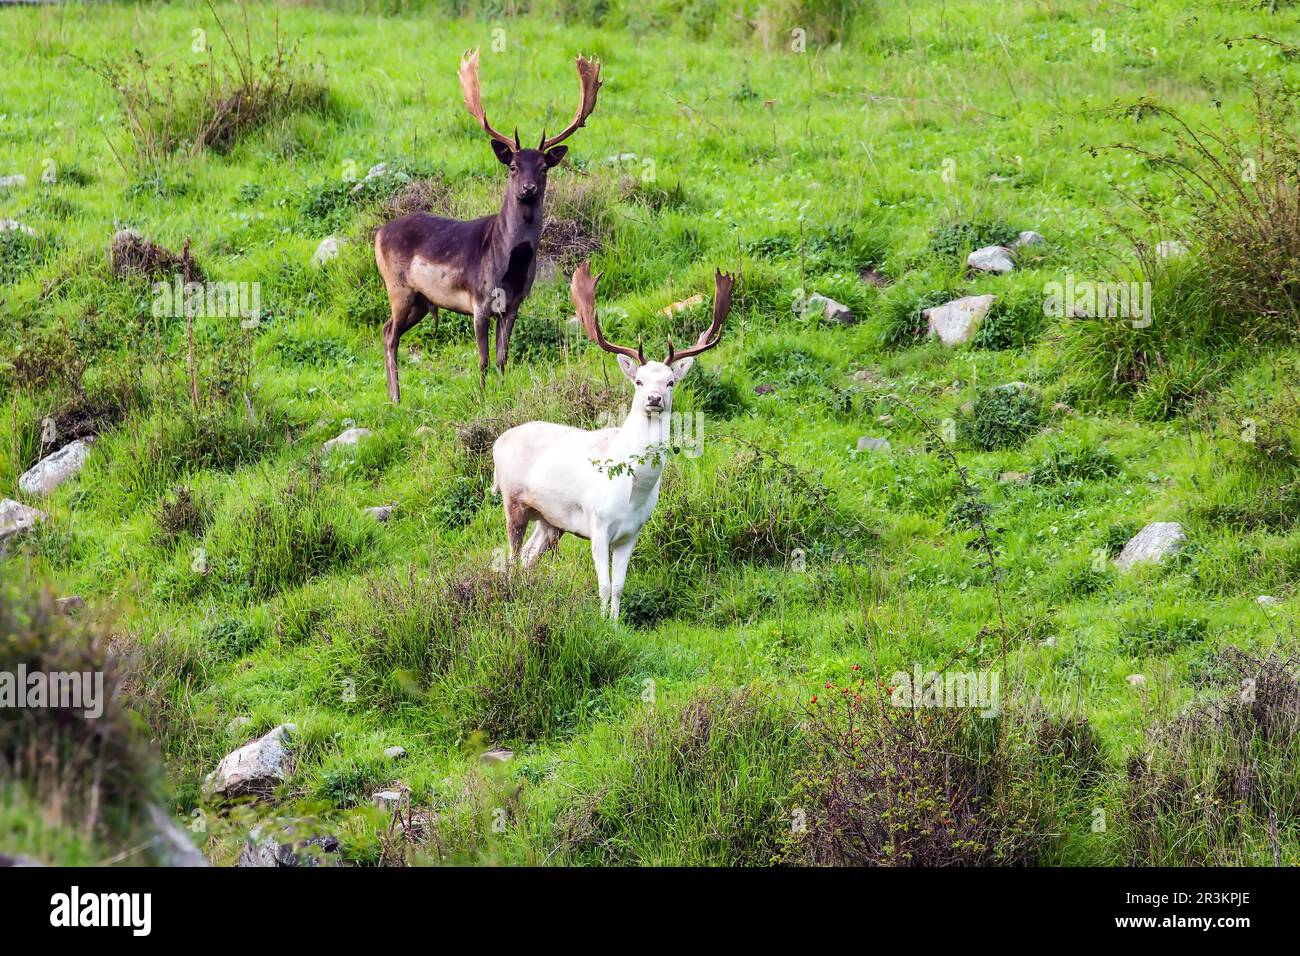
(681, 367)
(628, 366)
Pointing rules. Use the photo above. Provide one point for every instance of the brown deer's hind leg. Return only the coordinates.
(408, 308)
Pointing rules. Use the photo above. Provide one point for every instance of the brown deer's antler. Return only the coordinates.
(589, 77)
(723, 284)
(583, 291)
(474, 102)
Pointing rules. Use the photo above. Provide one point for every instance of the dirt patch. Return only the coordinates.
(420, 195)
(873, 276)
(132, 254)
(564, 244)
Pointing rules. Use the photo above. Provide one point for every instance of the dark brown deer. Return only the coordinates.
(484, 267)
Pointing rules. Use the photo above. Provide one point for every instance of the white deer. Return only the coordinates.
(600, 485)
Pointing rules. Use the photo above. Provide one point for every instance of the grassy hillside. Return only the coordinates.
(739, 714)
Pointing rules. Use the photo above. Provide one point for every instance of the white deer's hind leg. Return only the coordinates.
(543, 538)
(600, 555)
(622, 555)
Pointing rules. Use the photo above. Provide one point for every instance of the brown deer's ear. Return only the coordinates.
(504, 152)
(555, 155)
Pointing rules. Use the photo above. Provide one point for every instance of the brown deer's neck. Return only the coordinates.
(519, 221)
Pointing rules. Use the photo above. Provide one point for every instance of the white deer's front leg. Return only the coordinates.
(600, 555)
(622, 555)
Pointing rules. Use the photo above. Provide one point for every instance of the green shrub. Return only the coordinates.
(1002, 417)
(1079, 462)
(751, 508)
(1160, 633)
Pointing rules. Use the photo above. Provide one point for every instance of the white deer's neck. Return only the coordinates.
(642, 443)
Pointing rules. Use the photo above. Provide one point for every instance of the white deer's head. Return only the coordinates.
(653, 381)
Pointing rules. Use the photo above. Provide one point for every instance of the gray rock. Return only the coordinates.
(237, 724)
(1012, 387)
(831, 310)
(866, 443)
(1153, 543)
(13, 225)
(255, 768)
(498, 755)
(1267, 600)
(395, 753)
(172, 846)
(71, 604)
(381, 513)
(1028, 238)
(388, 800)
(53, 470)
(351, 436)
(998, 259)
(288, 848)
(327, 251)
(956, 322)
(17, 518)
(1013, 477)
(1137, 680)
(764, 389)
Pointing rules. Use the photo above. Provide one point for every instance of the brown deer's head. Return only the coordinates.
(528, 167)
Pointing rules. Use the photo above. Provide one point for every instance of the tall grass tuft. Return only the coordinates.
(1217, 784)
(508, 656)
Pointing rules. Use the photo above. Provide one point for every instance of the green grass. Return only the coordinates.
(242, 576)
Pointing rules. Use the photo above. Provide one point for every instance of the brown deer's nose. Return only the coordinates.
(528, 190)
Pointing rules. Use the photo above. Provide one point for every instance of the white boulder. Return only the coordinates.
(1153, 543)
(255, 768)
(956, 322)
(53, 470)
(16, 518)
(998, 259)
(351, 436)
(831, 310)
(327, 250)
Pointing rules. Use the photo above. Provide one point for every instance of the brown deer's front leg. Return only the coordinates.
(482, 315)
(505, 325)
